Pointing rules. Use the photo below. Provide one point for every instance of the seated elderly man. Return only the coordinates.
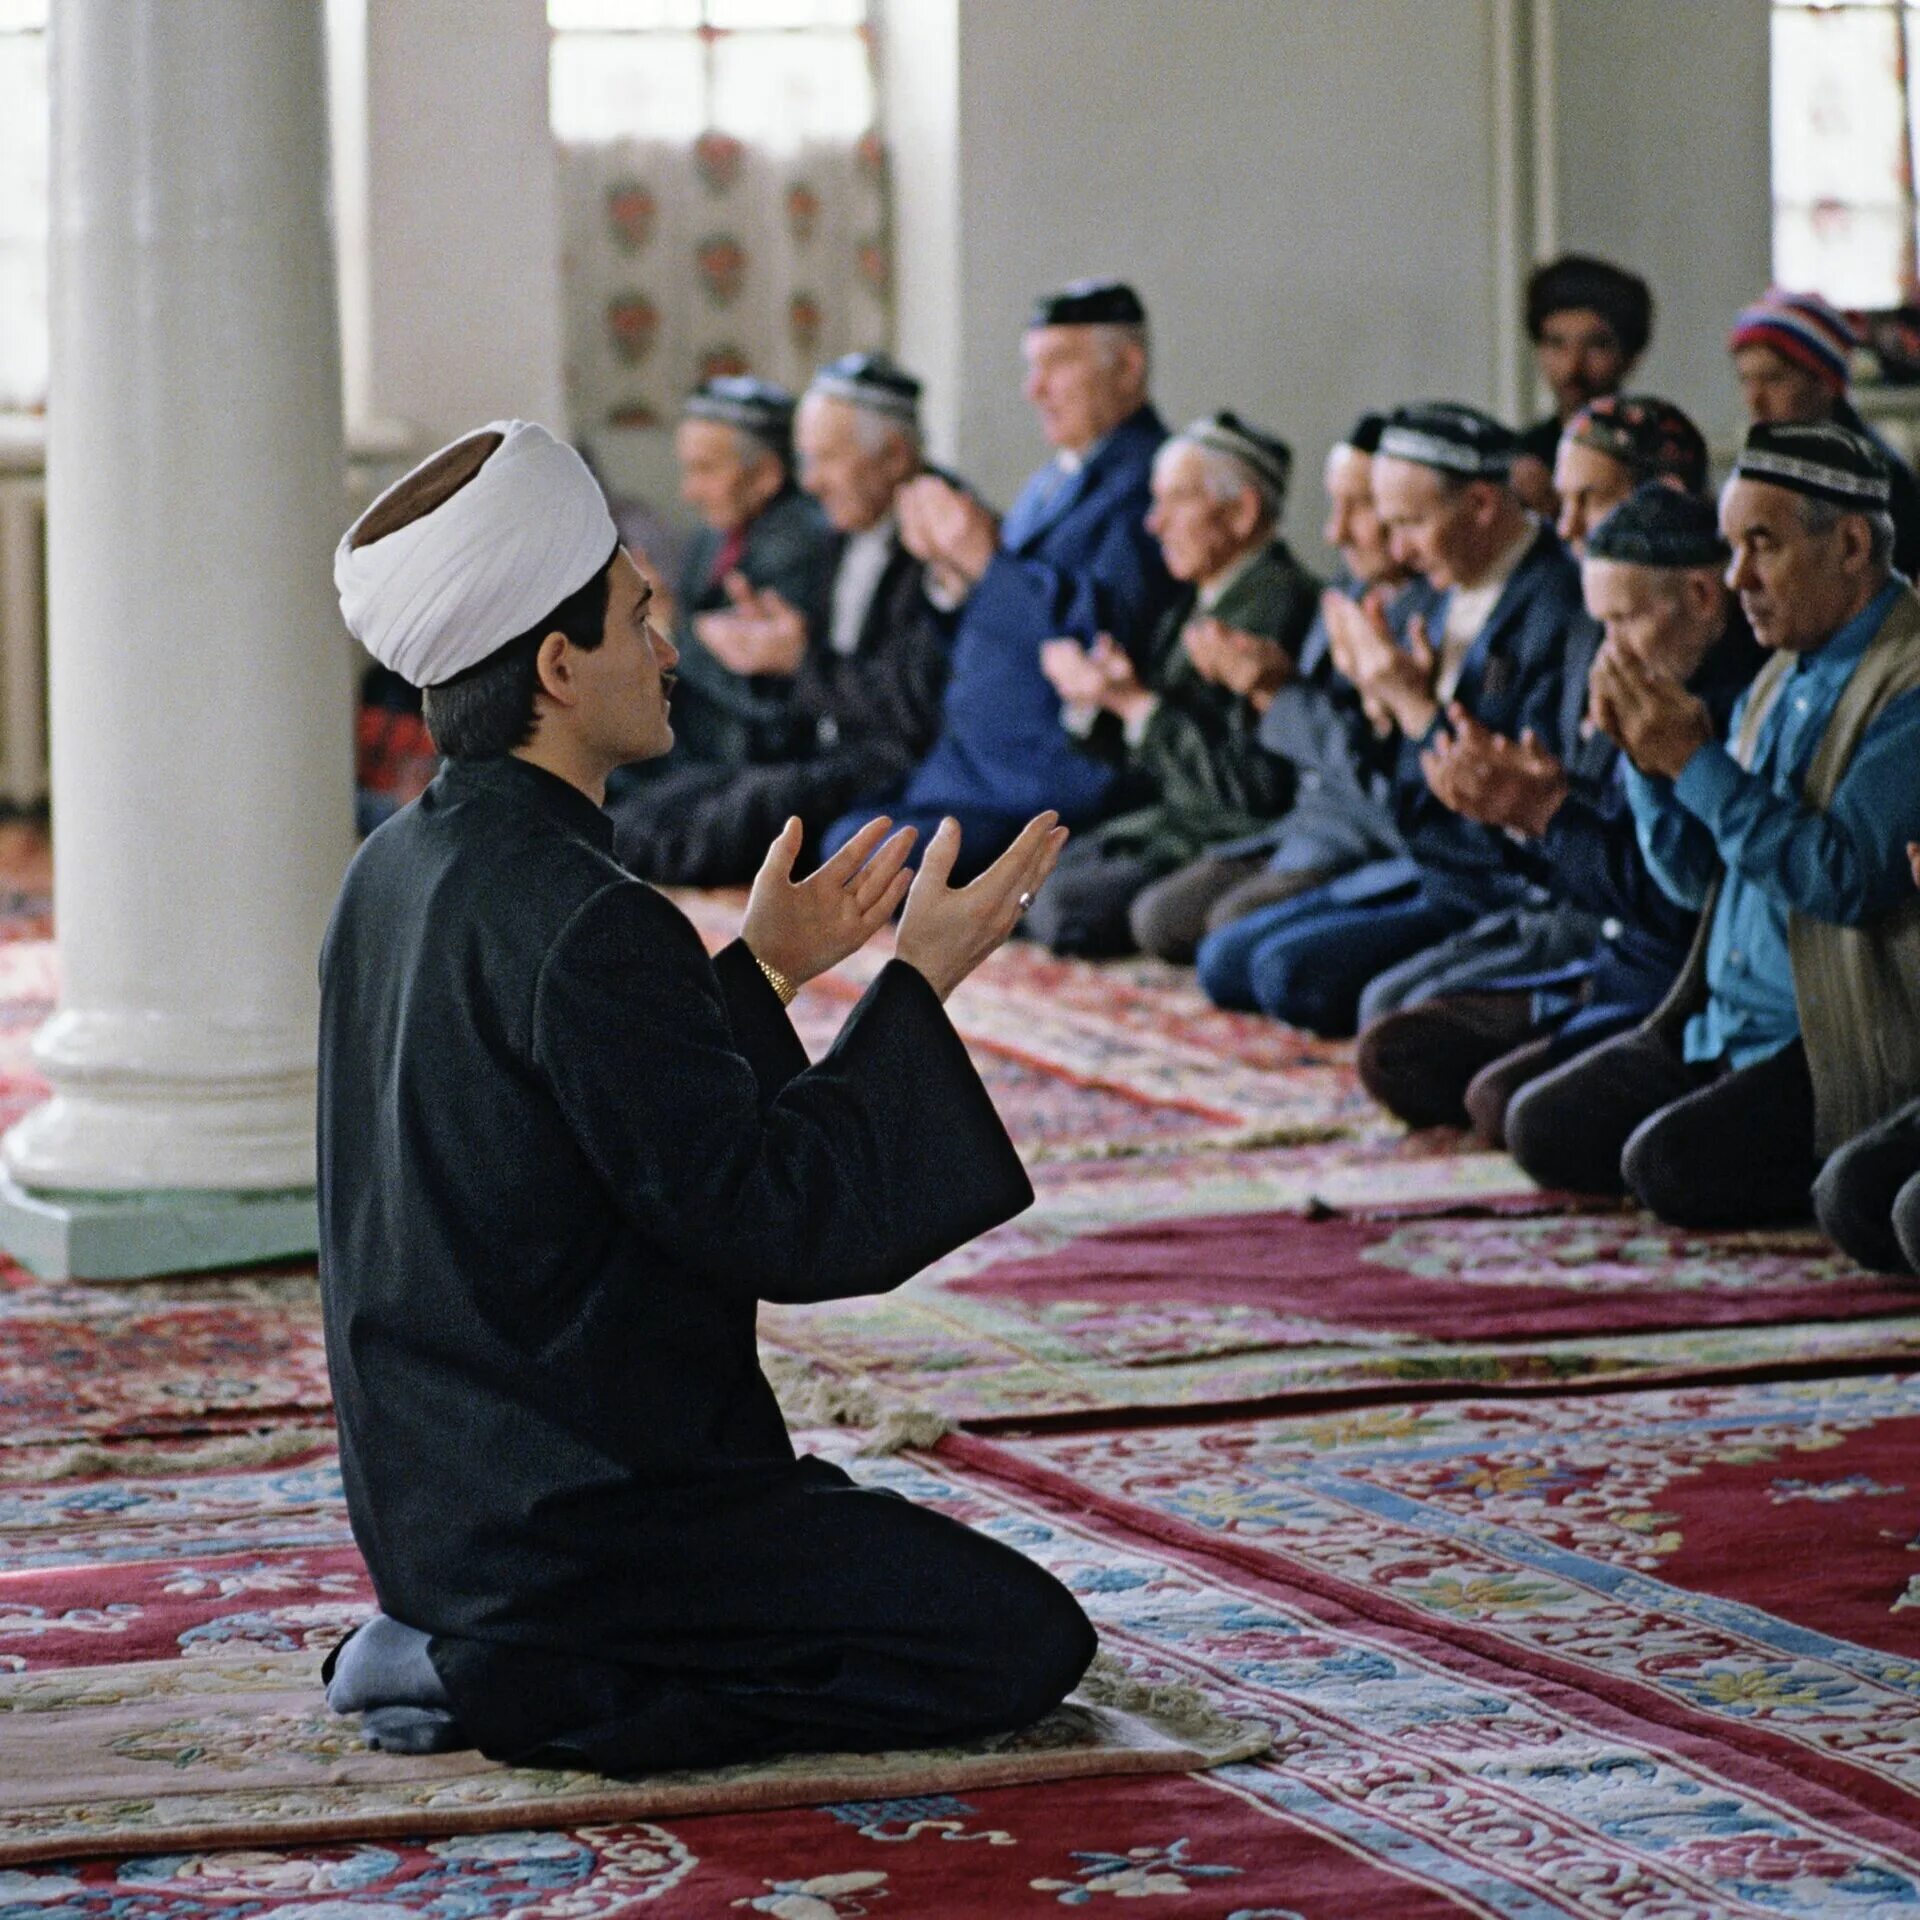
(1651, 575)
(1589, 322)
(1793, 353)
(1510, 629)
(865, 679)
(1072, 558)
(1603, 448)
(563, 1155)
(759, 533)
(1789, 839)
(1337, 765)
(1608, 448)
(1184, 728)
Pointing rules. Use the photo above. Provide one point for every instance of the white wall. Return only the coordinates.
(1305, 193)
(463, 320)
(1662, 162)
(1309, 193)
(1236, 159)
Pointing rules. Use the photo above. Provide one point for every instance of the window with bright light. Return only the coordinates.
(776, 72)
(1843, 145)
(24, 144)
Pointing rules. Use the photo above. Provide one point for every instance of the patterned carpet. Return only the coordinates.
(1575, 1564)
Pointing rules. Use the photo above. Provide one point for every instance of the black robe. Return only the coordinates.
(562, 1157)
(862, 720)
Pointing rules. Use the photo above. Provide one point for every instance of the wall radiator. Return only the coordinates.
(23, 640)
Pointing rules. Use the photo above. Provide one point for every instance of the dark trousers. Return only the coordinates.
(1694, 1143)
(1868, 1194)
(1171, 916)
(1083, 908)
(1491, 1091)
(1419, 1061)
(819, 1617)
(1308, 960)
(700, 824)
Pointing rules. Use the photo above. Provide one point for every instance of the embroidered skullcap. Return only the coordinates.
(1364, 435)
(447, 590)
(1658, 525)
(1576, 280)
(1452, 438)
(754, 406)
(1268, 461)
(1818, 458)
(1089, 303)
(1651, 438)
(872, 381)
(1802, 328)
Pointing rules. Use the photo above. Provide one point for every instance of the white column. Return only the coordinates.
(199, 690)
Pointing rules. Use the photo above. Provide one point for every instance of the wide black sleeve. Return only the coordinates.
(885, 1155)
(759, 1022)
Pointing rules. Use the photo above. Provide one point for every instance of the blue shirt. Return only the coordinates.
(1779, 855)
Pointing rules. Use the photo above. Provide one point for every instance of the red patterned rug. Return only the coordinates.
(1470, 1279)
(1498, 1713)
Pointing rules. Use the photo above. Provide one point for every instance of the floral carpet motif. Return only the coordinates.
(986, 1361)
(1576, 1567)
(1488, 1278)
(127, 1366)
(1412, 1773)
(1740, 1553)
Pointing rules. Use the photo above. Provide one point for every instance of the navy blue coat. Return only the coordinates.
(1590, 859)
(1527, 669)
(1075, 558)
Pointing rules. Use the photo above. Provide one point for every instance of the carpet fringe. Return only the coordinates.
(1184, 1711)
(810, 1397)
(93, 1458)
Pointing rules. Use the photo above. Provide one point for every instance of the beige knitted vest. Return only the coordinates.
(1857, 988)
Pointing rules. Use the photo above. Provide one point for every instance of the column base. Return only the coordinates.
(142, 1236)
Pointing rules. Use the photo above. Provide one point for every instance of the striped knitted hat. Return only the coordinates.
(1802, 328)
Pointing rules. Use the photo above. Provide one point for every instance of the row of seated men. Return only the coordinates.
(1596, 828)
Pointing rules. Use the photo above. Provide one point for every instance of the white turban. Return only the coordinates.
(443, 592)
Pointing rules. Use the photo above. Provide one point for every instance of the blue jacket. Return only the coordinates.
(1781, 856)
(1075, 558)
(1524, 670)
(1590, 854)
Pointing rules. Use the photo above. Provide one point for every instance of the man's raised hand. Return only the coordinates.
(802, 927)
(1484, 776)
(1654, 719)
(1072, 672)
(946, 526)
(946, 931)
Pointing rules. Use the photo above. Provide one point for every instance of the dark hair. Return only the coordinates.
(1622, 299)
(488, 709)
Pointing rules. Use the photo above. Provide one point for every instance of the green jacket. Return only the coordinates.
(1207, 776)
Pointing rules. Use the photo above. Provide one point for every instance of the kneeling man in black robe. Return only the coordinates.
(564, 1154)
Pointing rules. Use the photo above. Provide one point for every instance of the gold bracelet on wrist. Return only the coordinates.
(778, 981)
